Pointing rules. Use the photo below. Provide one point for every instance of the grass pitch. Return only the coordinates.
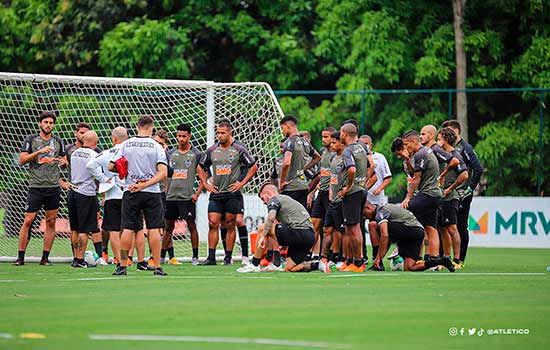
(217, 308)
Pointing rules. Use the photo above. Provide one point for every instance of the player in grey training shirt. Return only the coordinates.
(454, 181)
(145, 162)
(297, 149)
(44, 153)
(294, 230)
(227, 157)
(84, 206)
(425, 184)
(182, 193)
(397, 225)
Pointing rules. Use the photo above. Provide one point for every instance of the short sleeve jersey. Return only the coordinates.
(80, 176)
(290, 212)
(355, 155)
(382, 172)
(395, 214)
(143, 155)
(425, 162)
(181, 185)
(336, 177)
(227, 164)
(451, 177)
(44, 170)
(324, 171)
(301, 151)
(443, 157)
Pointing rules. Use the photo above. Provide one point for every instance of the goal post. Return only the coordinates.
(106, 103)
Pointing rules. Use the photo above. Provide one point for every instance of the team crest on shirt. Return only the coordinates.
(187, 163)
(231, 158)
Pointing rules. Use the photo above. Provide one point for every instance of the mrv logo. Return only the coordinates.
(518, 223)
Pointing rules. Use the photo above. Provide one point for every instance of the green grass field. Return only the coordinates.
(217, 308)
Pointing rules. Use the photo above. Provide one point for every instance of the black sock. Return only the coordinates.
(98, 248)
(269, 255)
(243, 238)
(21, 255)
(212, 254)
(195, 252)
(105, 250)
(315, 257)
(170, 252)
(374, 251)
(314, 266)
(255, 261)
(335, 257)
(223, 233)
(456, 261)
(228, 254)
(163, 253)
(349, 261)
(358, 262)
(45, 255)
(277, 258)
(131, 258)
(308, 257)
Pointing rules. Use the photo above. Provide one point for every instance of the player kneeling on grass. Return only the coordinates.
(395, 224)
(295, 230)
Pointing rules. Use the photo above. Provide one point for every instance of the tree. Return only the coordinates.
(461, 98)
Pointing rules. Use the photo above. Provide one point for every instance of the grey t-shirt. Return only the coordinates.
(394, 213)
(336, 177)
(44, 169)
(276, 169)
(324, 171)
(181, 185)
(302, 151)
(426, 162)
(143, 155)
(355, 155)
(290, 212)
(453, 175)
(81, 177)
(227, 164)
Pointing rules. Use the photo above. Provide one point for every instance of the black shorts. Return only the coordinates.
(424, 208)
(448, 213)
(112, 215)
(320, 205)
(334, 217)
(139, 205)
(180, 210)
(226, 203)
(352, 207)
(83, 213)
(38, 197)
(299, 196)
(408, 238)
(298, 241)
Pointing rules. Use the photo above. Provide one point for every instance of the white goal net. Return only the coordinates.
(105, 103)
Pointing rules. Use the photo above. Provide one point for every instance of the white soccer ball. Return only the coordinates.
(91, 258)
(397, 264)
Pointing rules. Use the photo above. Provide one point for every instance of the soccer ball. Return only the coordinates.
(397, 264)
(91, 258)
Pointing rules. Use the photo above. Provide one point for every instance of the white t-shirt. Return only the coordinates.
(99, 166)
(80, 175)
(143, 155)
(382, 171)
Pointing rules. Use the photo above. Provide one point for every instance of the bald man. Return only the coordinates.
(83, 205)
(112, 212)
(445, 159)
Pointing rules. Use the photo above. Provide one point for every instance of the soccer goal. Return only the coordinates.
(109, 102)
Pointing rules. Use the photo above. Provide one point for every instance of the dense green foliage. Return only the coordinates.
(321, 44)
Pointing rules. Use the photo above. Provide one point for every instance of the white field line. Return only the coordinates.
(12, 281)
(6, 336)
(225, 340)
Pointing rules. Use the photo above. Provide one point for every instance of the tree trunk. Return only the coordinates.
(460, 54)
